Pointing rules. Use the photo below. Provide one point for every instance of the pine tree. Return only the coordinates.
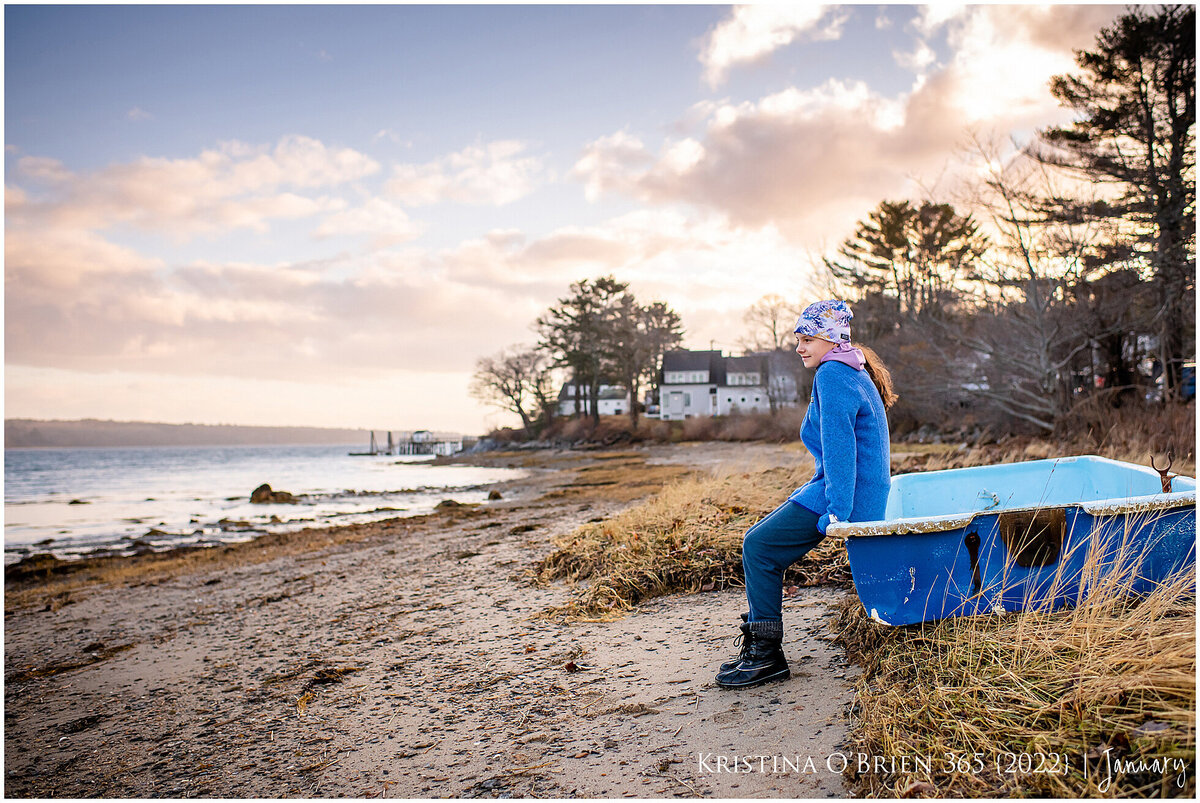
(1135, 99)
(913, 254)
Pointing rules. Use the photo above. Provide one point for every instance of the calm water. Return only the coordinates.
(161, 497)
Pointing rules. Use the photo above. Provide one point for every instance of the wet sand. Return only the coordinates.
(405, 659)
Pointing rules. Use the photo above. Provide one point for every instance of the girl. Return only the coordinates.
(846, 431)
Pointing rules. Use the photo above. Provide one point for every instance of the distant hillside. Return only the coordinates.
(23, 433)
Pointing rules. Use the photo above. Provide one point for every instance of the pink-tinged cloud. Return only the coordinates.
(76, 302)
(234, 186)
(812, 161)
(495, 174)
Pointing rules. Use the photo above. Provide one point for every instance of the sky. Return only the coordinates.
(325, 215)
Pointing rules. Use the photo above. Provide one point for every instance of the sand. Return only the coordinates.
(408, 661)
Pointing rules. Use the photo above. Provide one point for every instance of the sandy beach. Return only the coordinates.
(407, 658)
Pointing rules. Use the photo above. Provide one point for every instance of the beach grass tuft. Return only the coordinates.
(685, 539)
(1094, 700)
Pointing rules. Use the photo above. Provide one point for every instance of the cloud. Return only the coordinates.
(787, 160)
(934, 15)
(496, 174)
(608, 163)
(229, 187)
(921, 57)
(386, 223)
(137, 113)
(754, 32)
(1004, 57)
(43, 169)
(812, 161)
(391, 136)
(362, 318)
(78, 303)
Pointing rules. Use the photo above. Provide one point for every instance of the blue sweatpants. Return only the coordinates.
(769, 547)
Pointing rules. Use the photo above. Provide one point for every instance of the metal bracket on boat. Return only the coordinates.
(986, 494)
(972, 542)
(1164, 473)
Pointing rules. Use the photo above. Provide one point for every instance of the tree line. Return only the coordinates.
(1068, 274)
(1065, 277)
(598, 334)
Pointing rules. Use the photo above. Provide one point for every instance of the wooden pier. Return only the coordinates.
(420, 442)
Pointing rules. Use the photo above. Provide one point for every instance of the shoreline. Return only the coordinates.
(408, 658)
(116, 505)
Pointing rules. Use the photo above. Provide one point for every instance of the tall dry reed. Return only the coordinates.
(1095, 700)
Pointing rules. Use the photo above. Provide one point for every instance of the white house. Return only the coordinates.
(705, 383)
(614, 400)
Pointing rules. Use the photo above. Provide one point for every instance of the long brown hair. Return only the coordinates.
(879, 375)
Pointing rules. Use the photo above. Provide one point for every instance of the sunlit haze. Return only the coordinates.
(324, 215)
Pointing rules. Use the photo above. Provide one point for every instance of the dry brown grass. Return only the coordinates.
(1109, 683)
(686, 538)
(1116, 674)
(911, 457)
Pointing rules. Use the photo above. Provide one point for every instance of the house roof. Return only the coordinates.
(718, 366)
(742, 365)
(690, 360)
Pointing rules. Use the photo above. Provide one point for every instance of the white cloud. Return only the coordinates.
(1004, 57)
(41, 168)
(233, 186)
(607, 162)
(921, 57)
(753, 32)
(496, 173)
(386, 223)
(935, 15)
(796, 159)
(137, 113)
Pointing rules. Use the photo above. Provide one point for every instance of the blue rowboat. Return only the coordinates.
(1020, 536)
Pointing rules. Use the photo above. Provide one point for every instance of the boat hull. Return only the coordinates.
(1049, 533)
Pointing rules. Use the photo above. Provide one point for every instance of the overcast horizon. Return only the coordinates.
(324, 215)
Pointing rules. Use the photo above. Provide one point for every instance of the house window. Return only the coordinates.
(687, 400)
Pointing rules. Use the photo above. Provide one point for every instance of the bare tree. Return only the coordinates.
(1027, 332)
(519, 380)
(771, 320)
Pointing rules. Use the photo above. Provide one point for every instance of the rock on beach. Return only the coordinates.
(263, 495)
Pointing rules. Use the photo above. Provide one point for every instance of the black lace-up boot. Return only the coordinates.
(744, 640)
(764, 659)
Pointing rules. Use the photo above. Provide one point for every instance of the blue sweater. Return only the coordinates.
(846, 431)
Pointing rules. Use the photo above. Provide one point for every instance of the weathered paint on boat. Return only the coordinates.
(1019, 536)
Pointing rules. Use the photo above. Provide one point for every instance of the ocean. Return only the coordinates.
(76, 503)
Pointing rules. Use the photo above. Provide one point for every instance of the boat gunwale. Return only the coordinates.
(955, 521)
